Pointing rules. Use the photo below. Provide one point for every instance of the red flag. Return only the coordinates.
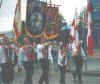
(73, 23)
(90, 42)
(74, 33)
(72, 30)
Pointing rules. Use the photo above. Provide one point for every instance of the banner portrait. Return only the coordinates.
(35, 19)
(51, 28)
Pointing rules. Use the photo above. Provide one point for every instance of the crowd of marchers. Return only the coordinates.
(51, 55)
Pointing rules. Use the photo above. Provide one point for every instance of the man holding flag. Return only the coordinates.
(89, 25)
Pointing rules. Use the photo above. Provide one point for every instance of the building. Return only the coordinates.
(96, 21)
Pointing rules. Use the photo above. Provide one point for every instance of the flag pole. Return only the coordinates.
(46, 1)
(76, 16)
(0, 3)
(50, 2)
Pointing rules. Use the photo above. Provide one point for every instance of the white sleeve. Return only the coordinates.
(66, 61)
(45, 44)
(50, 54)
(59, 59)
(35, 49)
(20, 56)
(82, 52)
(38, 50)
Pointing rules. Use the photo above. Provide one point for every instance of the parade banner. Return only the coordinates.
(51, 28)
(35, 19)
(89, 23)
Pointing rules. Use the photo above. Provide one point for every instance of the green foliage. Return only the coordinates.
(61, 21)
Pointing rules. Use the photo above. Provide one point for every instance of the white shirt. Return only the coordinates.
(82, 52)
(50, 54)
(39, 51)
(22, 56)
(60, 58)
(39, 48)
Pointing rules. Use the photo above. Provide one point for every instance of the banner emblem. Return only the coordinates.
(35, 21)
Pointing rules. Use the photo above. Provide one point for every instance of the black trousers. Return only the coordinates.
(78, 68)
(45, 71)
(62, 75)
(7, 73)
(29, 69)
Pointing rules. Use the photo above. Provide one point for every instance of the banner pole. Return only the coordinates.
(0, 3)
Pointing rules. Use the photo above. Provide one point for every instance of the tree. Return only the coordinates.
(61, 21)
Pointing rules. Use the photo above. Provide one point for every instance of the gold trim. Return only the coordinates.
(30, 35)
(50, 37)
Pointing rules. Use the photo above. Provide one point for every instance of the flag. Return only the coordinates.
(17, 20)
(74, 33)
(72, 29)
(90, 42)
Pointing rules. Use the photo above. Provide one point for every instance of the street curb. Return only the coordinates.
(90, 73)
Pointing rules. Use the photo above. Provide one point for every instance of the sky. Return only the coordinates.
(67, 9)
(7, 15)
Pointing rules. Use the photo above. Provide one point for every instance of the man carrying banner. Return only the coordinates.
(44, 61)
(62, 63)
(26, 58)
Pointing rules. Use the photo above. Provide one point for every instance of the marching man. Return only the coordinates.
(26, 58)
(62, 62)
(43, 58)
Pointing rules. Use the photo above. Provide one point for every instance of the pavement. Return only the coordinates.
(90, 74)
(54, 78)
(93, 65)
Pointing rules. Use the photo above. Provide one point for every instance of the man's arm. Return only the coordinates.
(20, 56)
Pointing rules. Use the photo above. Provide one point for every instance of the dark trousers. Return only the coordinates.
(7, 73)
(45, 71)
(29, 69)
(78, 68)
(0, 75)
(62, 75)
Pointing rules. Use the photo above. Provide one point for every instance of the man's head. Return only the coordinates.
(70, 41)
(65, 53)
(54, 42)
(26, 41)
(43, 40)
